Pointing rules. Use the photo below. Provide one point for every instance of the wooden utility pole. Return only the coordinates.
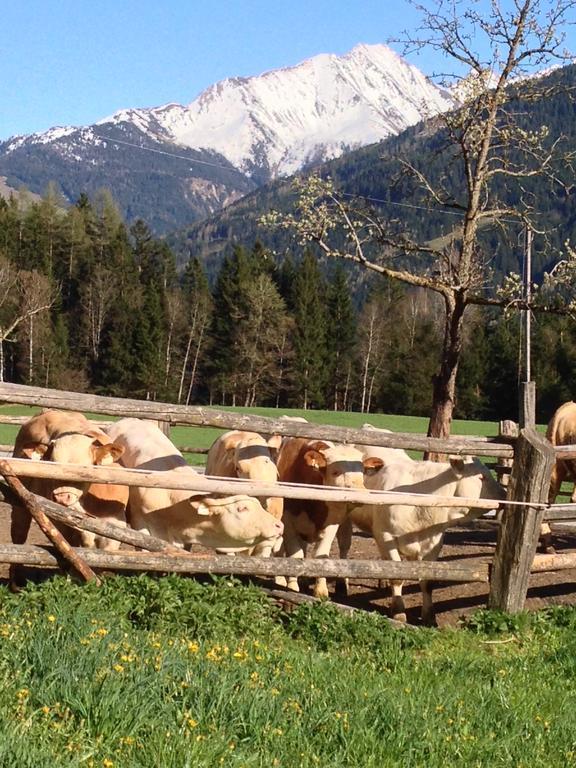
(527, 405)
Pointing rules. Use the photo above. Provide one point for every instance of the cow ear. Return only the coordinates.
(315, 460)
(372, 464)
(107, 454)
(34, 451)
(457, 463)
(274, 442)
(200, 507)
(99, 436)
(319, 445)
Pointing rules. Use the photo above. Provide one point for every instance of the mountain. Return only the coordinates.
(372, 174)
(173, 165)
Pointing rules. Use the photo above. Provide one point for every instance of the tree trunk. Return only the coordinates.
(444, 382)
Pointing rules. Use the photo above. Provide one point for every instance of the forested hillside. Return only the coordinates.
(87, 303)
(375, 174)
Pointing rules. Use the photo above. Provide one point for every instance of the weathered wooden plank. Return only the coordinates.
(174, 479)
(556, 562)
(564, 452)
(201, 416)
(507, 430)
(527, 409)
(560, 512)
(255, 566)
(520, 529)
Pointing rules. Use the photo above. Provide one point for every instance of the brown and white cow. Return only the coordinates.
(561, 430)
(405, 532)
(68, 437)
(316, 462)
(182, 517)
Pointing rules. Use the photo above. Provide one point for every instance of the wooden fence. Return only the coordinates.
(531, 456)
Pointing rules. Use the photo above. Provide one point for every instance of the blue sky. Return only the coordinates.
(73, 62)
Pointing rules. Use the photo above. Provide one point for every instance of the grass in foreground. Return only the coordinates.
(170, 672)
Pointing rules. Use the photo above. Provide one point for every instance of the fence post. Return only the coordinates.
(507, 428)
(163, 426)
(520, 527)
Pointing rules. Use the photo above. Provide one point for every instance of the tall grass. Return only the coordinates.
(170, 672)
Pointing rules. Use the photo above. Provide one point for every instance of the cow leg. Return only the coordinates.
(20, 522)
(293, 547)
(545, 540)
(326, 539)
(428, 612)
(344, 538)
(389, 551)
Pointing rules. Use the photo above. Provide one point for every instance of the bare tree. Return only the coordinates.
(23, 295)
(97, 299)
(262, 322)
(485, 139)
(198, 311)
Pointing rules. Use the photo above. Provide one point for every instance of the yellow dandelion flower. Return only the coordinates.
(51, 617)
(193, 646)
(46, 709)
(118, 668)
(107, 763)
(102, 631)
(192, 723)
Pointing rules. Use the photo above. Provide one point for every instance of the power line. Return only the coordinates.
(231, 169)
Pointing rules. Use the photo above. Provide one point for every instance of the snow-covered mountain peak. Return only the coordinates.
(275, 123)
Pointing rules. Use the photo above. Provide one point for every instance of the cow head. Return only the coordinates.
(475, 480)
(90, 449)
(238, 521)
(253, 460)
(341, 466)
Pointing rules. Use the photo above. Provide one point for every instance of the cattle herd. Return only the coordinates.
(270, 526)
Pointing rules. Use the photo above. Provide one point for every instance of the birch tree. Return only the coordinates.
(24, 295)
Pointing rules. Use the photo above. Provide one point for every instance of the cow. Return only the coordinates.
(68, 437)
(318, 462)
(184, 518)
(561, 430)
(388, 455)
(247, 455)
(406, 532)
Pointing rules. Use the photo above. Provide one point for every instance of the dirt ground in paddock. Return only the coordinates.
(473, 542)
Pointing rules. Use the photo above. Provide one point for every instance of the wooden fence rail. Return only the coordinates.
(200, 416)
(175, 479)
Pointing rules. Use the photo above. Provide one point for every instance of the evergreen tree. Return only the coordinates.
(310, 335)
(341, 341)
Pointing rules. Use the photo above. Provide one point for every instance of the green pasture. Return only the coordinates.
(172, 673)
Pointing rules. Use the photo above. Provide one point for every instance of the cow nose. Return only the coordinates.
(66, 496)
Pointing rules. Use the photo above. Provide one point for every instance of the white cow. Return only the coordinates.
(405, 532)
(186, 517)
(388, 455)
(247, 455)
